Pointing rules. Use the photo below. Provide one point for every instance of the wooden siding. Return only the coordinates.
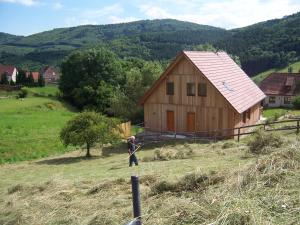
(212, 112)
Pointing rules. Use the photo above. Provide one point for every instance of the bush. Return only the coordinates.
(262, 142)
(296, 102)
(22, 93)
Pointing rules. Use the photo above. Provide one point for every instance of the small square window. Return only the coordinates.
(202, 89)
(272, 99)
(170, 88)
(244, 117)
(249, 113)
(190, 89)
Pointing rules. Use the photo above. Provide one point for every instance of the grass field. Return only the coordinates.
(47, 91)
(217, 183)
(29, 128)
(259, 77)
(272, 113)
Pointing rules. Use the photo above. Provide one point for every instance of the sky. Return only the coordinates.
(25, 17)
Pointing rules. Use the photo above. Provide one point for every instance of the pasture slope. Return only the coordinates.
(29, 128)
(181, 183)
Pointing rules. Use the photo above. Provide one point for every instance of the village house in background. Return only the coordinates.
(10, 70)
(280, 88)
(35, 76)
(50, 74)
(202, 92)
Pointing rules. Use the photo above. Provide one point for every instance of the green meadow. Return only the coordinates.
(29, 128)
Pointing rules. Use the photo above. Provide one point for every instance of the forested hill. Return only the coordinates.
(261, 46)
(265, 45)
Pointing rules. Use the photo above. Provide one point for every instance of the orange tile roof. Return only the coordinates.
(226, 76)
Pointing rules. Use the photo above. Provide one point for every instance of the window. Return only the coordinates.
(202, 89)
(244, 116)
(190, 89)
(287, 100)
(249, 114)
(170, 88)
(272, 99)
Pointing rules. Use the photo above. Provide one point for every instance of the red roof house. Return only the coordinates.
(35, 76)
(280, 88)
(201, 92)
(10, 70)
(50, 74)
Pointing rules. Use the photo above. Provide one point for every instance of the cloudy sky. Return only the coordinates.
(25, 17)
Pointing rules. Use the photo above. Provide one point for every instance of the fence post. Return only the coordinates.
(239, 131)
(136, 200)
(297, 126)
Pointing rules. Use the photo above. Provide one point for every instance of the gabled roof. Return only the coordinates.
(281, 84)
(7, 69)
(224, 74)
(49, 71)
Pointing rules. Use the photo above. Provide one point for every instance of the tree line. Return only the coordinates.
(23, 78)
(96, 79)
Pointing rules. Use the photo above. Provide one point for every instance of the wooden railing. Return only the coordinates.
(222, 133)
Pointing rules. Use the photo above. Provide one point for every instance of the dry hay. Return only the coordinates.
(263, 192)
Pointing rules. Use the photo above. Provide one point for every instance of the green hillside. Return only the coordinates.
(148, 39)
(259, 77)
(261, 46)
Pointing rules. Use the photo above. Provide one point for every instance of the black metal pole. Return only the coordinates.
(136, 200)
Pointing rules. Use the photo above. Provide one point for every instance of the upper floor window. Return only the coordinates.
(202, 89)
(190, 89)
(170, 88)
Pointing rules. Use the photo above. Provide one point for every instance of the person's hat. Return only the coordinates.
(132, 137)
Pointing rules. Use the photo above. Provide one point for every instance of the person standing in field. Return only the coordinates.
(131, 151)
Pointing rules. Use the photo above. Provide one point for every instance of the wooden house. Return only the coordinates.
(280, 88)
(201, 92)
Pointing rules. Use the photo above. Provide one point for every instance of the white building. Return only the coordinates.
(280, 88)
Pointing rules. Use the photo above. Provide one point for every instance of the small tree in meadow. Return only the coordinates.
(41, 81)
(89, 128)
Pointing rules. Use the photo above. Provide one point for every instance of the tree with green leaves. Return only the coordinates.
(89, 128)
(21, 77)
(88, 75)
(4, 79)
(41, 81)
(30, 80)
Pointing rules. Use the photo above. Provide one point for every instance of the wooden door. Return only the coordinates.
(170, 121)
(190, 122)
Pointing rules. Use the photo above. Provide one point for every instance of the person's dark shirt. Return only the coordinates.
(131, 147)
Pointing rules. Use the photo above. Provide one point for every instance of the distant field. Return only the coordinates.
(47, 91)
(259, 77)
(30, 128)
